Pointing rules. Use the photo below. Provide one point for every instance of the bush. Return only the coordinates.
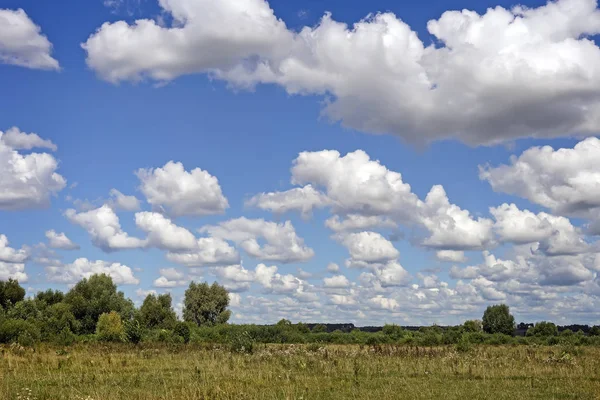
(473, 325)
(183, 330)
(134, 331)
(18, 330)
(463, 345)
(242, 343)
(393, 331)
(110, 328)
(65, 337)
(543, 329)
(319, 328)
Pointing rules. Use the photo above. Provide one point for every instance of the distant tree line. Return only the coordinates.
(94, 310)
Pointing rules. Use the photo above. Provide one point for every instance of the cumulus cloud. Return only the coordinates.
(28, 181)
(235, 277)
(208, 251)
(180, 193)
(333, 268)
(282, 244)
(18, 140)
(163, 233)
(367, 248)
(10, 255)
(10, 270)
(104, 228)
(566, 181)
(487, 78)
(303, 200)
(22, 43)
(60, 241)
(337, 281)
(123, 202)
(354, 222)
(452, 228)
(84, 268)
(170, 278)
(451, 256)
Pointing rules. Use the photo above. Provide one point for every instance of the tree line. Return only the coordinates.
(94, 310)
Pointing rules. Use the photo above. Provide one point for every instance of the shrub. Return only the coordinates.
(393, 331)
(182, 329)
(543, 329)
(65, 337)
(134, 331)
(110, 328)
(463, 345)
(473, 325)
(242, 343)
(168, 336)
(18, 330)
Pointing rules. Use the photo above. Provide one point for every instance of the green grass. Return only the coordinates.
(102, 372)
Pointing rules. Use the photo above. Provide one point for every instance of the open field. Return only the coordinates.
(103, 372)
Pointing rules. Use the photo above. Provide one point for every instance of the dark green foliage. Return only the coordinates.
(183, 329)
(18, 330)
(320, 328)
(110, 328)
(168, 336)
(50, 297)
(157, 312)
(393, 331)
(543, 329)
(10, 293)
(65, 337)
(25, 310)
(473, 325)
(95, 296)
(206, 305)
(497, 319)
(595, 331)
(134, 331)
(241, 342)
(302, 328)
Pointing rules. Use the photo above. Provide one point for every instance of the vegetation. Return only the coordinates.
(498, 319)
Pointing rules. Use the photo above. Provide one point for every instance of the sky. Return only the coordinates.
(326, 161)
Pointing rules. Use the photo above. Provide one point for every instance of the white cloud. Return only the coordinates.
(84, 268)
(450, 227)
(556, 235)
(170, 278)
(208, 252)
(18, 140)
(13, 271)
(282, 244)
(451, 256)
(485, 79)
(10, 255)
(22, 43)
(367, 248)
(123, 202)
(60, 241)
(180, 192)
(102, 224)
(567, 181)
(235, 277)
(27, 180)
(163, 233)
(303, 200)
(337, 281)
(384, 303)
(355, 222)
(333, 268)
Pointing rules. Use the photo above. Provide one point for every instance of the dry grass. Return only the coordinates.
(298, 372)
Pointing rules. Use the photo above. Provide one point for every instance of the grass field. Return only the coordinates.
(102, 372)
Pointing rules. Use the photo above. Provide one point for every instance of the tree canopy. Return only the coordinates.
(206, 304)
(498, 319)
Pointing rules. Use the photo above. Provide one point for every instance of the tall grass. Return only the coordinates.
(177, 371)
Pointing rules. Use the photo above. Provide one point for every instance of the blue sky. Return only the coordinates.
(240, 94)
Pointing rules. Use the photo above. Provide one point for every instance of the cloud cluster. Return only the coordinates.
(486, 78)
(84, 268)
(28, 181)
(22, 43)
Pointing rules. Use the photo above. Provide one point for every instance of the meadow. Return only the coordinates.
(305, 371)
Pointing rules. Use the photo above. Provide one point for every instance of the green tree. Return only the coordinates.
(57, 318)
(156, 312)
(11, 293)
(595, 330)
(543, 329)
(50, 297)
(497, 319)
(25, 310)
(319, 328)
(206, 304)
(473, 325)
(110, 328)
(94, 296)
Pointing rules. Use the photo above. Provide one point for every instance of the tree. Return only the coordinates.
(156, 312)
(595, 330)
(11, 293)
(319, 328)
(94, 296)
(473, 325)
(543, 329)
(206, 304)
(50, 297)
(110, 328)
(497, 319)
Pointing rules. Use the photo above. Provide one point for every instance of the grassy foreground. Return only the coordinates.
(102, 372)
